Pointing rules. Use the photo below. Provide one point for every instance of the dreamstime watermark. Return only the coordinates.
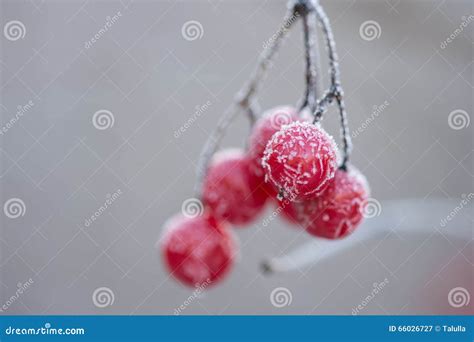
(21, 110)
(196, 293)
(14, 30)
(377, 288)
(192, 30)
(280, 297)
(458, 119)
(281, 207)
(371, 208)
(109, 22)
(109, 200)
(377, 110)
(280, 118)
(22, 287)
(46, 330)
(103, 119)
(370, 30)
(103, 297)
(464, 202)
(192, 207)
(464, 23)
(200, 110)
(282, 30)
(14, 208)
(459, 297)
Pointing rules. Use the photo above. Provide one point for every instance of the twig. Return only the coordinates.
(245, 97)
(212, 144)
(335, 90)
(307, 9)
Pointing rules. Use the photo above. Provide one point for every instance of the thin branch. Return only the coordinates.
(245, 97)
(212, 144)
(346, 138)
(311, 54)
(330, 45)
(335, 91)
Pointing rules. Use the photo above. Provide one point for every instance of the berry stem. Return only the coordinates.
(346, 138)
(244, 98)
(252, 109)
(266, 57)
(335, 91)
(212, 143)
(312, 58)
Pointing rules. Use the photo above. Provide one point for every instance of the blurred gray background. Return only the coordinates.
(145, 72)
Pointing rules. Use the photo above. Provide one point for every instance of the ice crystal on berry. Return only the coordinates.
(300, 160)
(339, 209)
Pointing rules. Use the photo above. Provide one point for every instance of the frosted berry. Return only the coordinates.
(231, 190)
(197, 251)
(270, 123)
(339, 210)
(300, 160)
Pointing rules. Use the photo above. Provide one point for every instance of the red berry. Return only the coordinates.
(270, 123)
(231, 190)
(198, 251)
(300, 160)
(339, 209)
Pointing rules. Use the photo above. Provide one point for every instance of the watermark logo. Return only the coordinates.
(192, 207)
(377, 110)
(103, 119)
(14, 208)
(377, 288)
(282, 30)
(103, 297)
(280, 118)
(282, 205)
(21, 110)
(109, 22)
(14, 30)
(109, 200)
(370, 30)
(192, 30)
(22, 287)
(458, 119)
(196, 293)
(371, 208)
(459, 297)
(46, 330)
(200, 110)
(465, 21)
(280, 297)
(464, 202)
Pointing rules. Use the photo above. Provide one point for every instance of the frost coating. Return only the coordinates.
(339, 210)
(300, 160)
(271, 122)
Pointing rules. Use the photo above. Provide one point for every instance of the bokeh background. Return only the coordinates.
(152, 78)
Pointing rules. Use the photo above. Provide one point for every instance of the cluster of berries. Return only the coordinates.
(289, 161)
